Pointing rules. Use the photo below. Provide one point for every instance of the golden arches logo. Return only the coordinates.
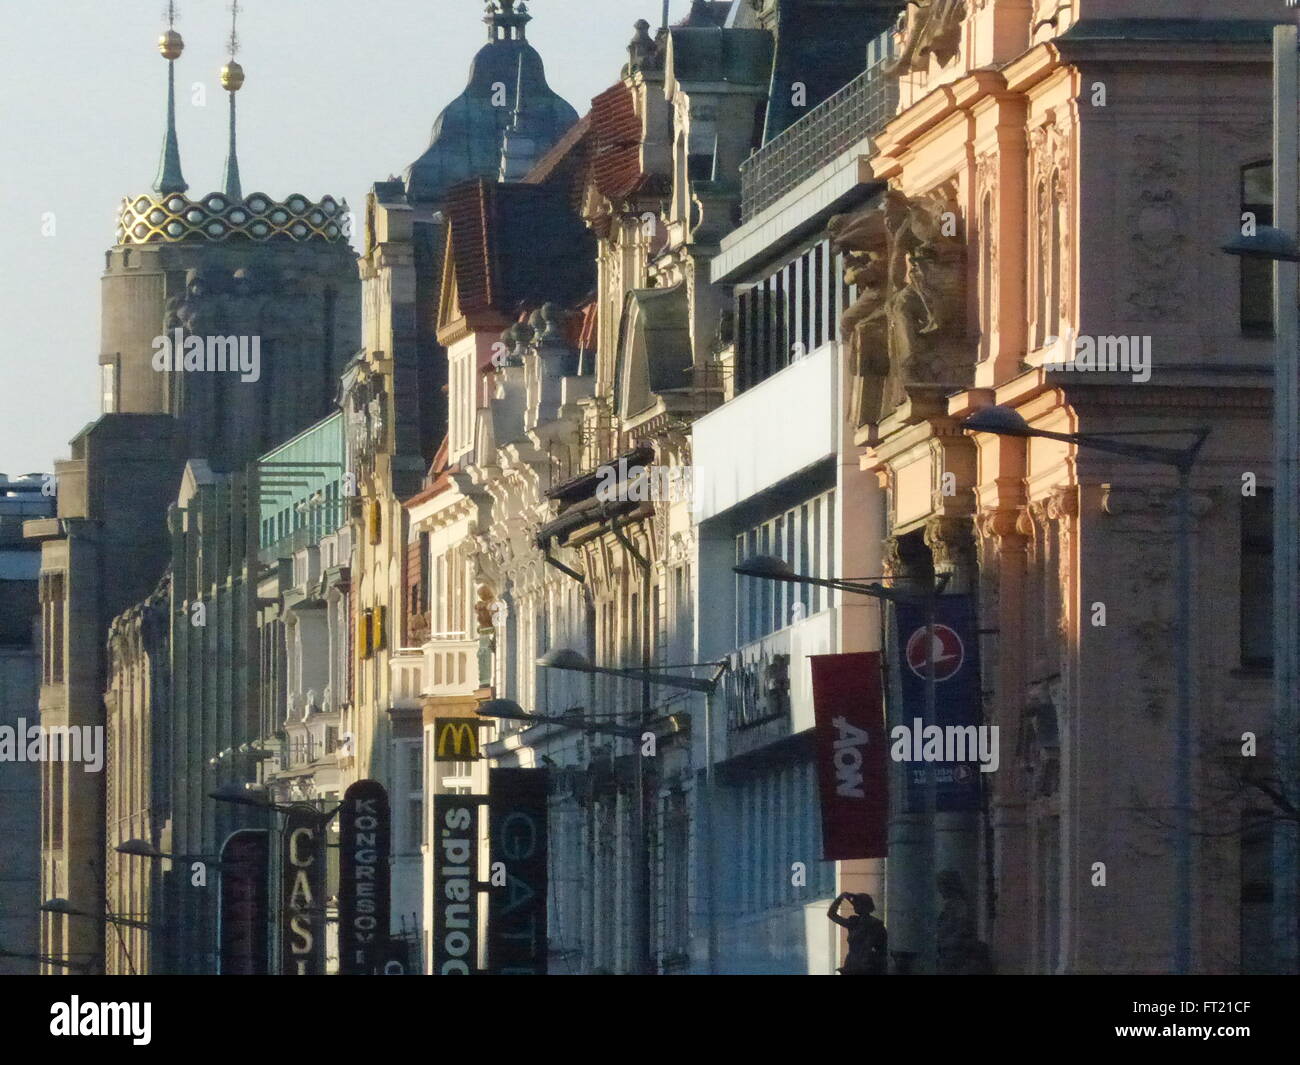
(461, 735)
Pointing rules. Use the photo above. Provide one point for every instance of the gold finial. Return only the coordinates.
(232, 76)
(170, 43)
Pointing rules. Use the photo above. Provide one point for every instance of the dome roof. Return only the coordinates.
(466, 138)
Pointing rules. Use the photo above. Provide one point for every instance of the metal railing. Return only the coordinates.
(840, 121)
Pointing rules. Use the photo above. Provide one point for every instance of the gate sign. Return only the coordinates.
(455, 885)
(517, 807)
(302, 894)
(955, 653)
(455, 739)
(244, 914)
(365, 833)
(852, 762)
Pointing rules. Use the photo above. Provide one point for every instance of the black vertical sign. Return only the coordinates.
(455, 885)
(245, 911)
(302, 894)
(517, 944)
(365, 835)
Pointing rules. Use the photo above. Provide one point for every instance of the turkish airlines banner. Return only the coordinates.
(950, 746)
(365, 836)
(852, 766)
(517, 808)
(245, 911)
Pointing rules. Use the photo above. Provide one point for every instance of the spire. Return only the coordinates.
(232, 77)
(519, 142)
(170, 45)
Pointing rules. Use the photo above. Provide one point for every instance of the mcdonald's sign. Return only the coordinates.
(455, 739)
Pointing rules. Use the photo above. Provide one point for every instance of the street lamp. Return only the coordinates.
(1003, 421)
(569, 659)
(772, 568)
(64, 908)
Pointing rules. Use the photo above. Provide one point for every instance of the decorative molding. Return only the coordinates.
(169, 218)
(1157, 219)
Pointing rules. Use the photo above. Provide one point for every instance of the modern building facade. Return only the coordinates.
(21, 498)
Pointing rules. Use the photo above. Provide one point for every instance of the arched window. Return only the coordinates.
(1041, 256)
(986, 274)
(1053, 280)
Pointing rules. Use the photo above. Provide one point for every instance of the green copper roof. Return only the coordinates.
(170, 178)
(467, 137)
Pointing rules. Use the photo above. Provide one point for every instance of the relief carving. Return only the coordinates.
(907, 328)
(932, 27)
(1156, 223)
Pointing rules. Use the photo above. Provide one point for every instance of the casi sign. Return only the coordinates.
(302, 893)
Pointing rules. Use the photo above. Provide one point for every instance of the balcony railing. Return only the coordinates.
(857, 111)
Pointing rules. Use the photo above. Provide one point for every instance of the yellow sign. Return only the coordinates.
(455, 739)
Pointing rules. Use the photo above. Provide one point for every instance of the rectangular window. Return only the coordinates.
(1257, 274)
(1257, 579)
(1256, 892)
(108, 387)
(804, 537)
(52, 593)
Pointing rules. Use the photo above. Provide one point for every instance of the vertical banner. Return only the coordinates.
(852, 765)
(302, 894)
(455, 885)
(517, 944)
(950, 744)
(244, 914)
(365, 839)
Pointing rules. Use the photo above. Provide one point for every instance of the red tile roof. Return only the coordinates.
(616, 164)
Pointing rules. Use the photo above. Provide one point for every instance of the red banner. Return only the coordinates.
(852, 756)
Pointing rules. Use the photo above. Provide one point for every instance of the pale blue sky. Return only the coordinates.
(339, 94)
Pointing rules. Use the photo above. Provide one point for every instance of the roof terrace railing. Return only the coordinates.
(840, 121)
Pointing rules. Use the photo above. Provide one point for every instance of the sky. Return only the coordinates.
(338, 94)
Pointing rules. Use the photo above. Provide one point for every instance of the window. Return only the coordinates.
(1257, 274)
(803, 536)
(56, 803)
(1255, 905)
(790, 314)
(1257, 579)
(108, 388)
(409, 780)
(52, 611)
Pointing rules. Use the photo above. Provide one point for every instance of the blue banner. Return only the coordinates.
(952, 743)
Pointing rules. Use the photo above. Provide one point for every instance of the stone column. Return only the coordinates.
(956, 833)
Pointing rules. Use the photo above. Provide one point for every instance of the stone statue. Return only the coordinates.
(960, 952)
(906, 327)
(933, 28)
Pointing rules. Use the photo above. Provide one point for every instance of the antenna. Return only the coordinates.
(235, 9)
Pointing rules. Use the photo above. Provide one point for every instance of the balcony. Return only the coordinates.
(451, 666)
(831, 128)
